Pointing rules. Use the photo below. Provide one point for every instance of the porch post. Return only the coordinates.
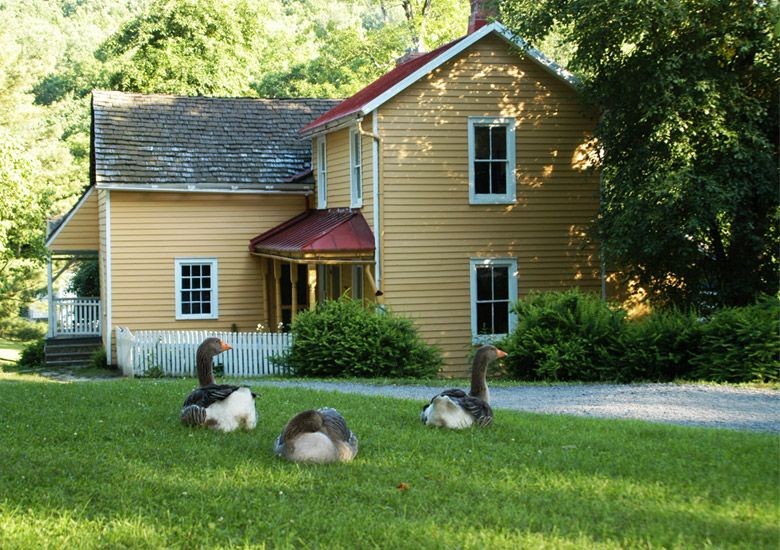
(294, 284)
(266, 296)
(311, 280)
(278, 292)
(50, 292)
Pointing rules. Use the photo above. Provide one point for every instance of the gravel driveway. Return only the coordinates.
(692, 404)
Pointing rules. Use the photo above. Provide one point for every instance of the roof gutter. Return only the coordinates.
(287, 189)
(333, 125)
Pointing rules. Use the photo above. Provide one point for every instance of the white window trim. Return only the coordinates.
(322, 172)
(214, 287)
(511, 263)
(355, 161)
(511, 186)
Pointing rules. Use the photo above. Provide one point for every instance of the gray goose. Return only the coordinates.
(320, 436)
(222, 407)
(454, 408)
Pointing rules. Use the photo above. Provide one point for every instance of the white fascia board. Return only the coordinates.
(461, 46)
(68, 217)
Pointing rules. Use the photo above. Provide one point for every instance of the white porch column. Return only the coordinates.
(50, 293)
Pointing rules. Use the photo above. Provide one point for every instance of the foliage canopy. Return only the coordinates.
(689, 95)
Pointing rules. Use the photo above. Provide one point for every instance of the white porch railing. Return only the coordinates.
(76, 317)
(173, 351)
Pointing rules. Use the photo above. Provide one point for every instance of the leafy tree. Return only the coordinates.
(86, 279)
(23, 211)
(689, 95)
(189, 47)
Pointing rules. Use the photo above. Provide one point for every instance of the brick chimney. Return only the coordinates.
(482, 13)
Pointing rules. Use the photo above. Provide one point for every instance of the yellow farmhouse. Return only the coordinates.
(447, 189)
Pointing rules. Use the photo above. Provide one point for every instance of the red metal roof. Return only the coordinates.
(335, 230)
(379, 86)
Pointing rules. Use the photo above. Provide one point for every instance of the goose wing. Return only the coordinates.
(479, 409)
(206, 395)
(476, 407)
(334, 425)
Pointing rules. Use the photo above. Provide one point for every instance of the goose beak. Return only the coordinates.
(225, 347)
(500, 353)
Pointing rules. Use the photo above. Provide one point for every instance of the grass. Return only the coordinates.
(10, 351)
(107, 464)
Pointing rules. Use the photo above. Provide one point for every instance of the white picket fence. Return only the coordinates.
(173, 351)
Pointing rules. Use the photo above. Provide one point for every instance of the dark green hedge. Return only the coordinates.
(575, 336)
(342, 338)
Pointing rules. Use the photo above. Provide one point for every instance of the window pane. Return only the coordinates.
(482, 177)
(185, 308)
(484, 284)
(205, 270)
(185, 284)
(195, 296)
(206, 308)
(185, 297)
(195, 270)
(484, 319)
(196, 309)
(501, 318)
(498, 177)
(498, 142)
(482, 142)
(205, 296)
(500, 283)
(185, 271)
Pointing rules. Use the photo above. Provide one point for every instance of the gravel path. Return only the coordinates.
(691, 404)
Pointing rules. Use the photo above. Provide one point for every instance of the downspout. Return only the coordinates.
(109, 308)
(375, 148)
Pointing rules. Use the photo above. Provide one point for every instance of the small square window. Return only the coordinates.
(196, 288)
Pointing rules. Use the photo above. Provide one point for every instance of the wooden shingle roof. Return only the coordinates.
(166, 141)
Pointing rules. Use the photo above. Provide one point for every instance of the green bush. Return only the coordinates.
(740, 344)
(342, 338)
(34, 355)
(659, 347)
(98, 359)
(568, 335)
(17, 328)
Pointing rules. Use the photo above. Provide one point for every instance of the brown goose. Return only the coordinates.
(319, 436)
(223, 407)
(454, 408)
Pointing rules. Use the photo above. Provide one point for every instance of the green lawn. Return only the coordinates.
(106, 464)
(10, 350)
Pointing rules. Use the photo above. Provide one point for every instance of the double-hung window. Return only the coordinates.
(356, 169)
(322, 173)
(491, 160)
(196, 288)
(493, 292)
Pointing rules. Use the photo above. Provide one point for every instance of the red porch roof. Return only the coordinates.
(339, 234)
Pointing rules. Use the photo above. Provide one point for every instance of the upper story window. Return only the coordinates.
(491, 160)
(493, 292)
(196, 288)
(356, 169)
(322, 173)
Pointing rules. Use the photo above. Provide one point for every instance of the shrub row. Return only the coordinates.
(576, 336)
(343, 338)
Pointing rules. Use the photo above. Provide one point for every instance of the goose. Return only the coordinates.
(223, 407)
(456, 409)
(320, 436)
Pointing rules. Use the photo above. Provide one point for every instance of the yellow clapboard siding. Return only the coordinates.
(82, 231)
(148, 235)
(431, 231)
